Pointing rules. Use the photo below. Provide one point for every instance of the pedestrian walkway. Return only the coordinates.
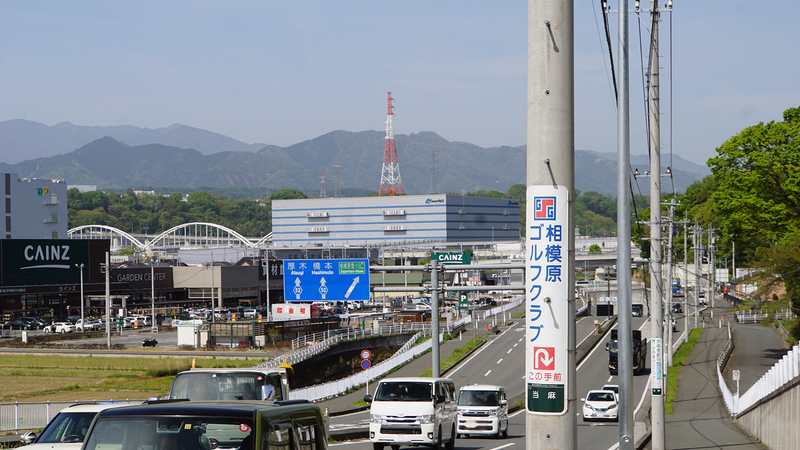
(700, 418)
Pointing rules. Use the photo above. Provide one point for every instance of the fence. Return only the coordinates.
(35, 415)
(758, 316)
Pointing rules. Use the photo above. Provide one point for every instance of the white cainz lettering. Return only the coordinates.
(28, 256)
(39, 253)
(65, 250)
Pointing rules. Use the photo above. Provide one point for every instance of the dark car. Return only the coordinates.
(198, 425)
(677, 308)
(35, 323)
(17, 324)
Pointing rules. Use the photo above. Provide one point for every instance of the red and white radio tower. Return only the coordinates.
(390, 175)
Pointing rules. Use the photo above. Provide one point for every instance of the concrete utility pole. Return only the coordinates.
(656, 284)
(712, 273)
(698, 256)
(685, 223)
(668, 287)
(551, 399)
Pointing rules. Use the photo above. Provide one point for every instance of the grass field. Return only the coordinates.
(34, 378)
(677, 361)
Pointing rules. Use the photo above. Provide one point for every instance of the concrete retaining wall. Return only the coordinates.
(774, 419)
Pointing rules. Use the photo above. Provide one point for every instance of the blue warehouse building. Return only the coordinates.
(366, 221)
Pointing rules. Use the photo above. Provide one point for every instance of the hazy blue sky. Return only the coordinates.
(281, 72)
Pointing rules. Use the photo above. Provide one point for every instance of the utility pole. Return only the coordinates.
(698, 256)
(551, 394)
(711, 271)
(668, 287)
(656, 284)
(685, 222)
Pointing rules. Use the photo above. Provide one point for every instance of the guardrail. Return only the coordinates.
(35, 415)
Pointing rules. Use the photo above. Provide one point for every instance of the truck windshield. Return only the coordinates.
(226, 386)
(478, 398)
(413, 391)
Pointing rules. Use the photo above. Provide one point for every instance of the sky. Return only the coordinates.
(282, 72)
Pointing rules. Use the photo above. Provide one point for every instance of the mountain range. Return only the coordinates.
(180, 156)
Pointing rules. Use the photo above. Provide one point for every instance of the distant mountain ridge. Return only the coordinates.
(21, 140)
(113, 163)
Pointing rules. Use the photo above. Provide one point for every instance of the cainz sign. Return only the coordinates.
(452, 257)
(28, 262)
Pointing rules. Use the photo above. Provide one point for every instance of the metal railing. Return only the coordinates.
(758, 316)
(35, 415)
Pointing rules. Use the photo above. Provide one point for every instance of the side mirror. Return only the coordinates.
(503, 402)
(583, 400)
(368, 398)
(440, 399)
(28, 437)
(607, 346)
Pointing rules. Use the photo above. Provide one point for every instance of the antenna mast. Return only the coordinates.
(390, 174)
(322, 193)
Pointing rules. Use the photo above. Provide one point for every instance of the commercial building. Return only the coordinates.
(366, 221)
(35, 208)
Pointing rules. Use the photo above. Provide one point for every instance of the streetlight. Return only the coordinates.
(83, 324)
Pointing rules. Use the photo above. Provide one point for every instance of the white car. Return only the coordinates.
(482, 410)
(59, 327)
(251, 313)
(67, 429)
(600, 405)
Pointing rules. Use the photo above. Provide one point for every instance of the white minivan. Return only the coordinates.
(413, 411)
(482, 409)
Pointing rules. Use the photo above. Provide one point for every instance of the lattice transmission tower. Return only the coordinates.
(390, 174)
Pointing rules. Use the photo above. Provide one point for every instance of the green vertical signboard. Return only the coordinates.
(463, 302)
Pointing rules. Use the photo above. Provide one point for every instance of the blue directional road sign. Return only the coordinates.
(313, 280)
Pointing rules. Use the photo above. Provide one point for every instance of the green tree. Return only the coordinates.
(758, 179)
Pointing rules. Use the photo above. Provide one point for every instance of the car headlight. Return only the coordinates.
(375, 418)
(428, 418)
(614, 406)
(493, 413)
(588, 406)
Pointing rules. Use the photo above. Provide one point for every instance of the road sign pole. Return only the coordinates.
(435, 318)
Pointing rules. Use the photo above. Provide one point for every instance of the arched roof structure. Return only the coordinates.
(186, 236)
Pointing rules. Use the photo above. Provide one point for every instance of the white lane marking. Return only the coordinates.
(449, 375)
(499, 361)
(345, 443)
(609, 379)
(487, 373)
(509, 350)
(520, 339)
(502, 446)
(516, 344)
(641, 400)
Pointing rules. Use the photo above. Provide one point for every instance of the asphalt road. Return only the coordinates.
(502, 361)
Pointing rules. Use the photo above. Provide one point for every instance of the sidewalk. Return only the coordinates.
(700, 418)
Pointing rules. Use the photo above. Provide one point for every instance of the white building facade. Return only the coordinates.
(35, 208)
(366, 221)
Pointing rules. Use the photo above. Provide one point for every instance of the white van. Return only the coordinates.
(483, 409)
(413, 411)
